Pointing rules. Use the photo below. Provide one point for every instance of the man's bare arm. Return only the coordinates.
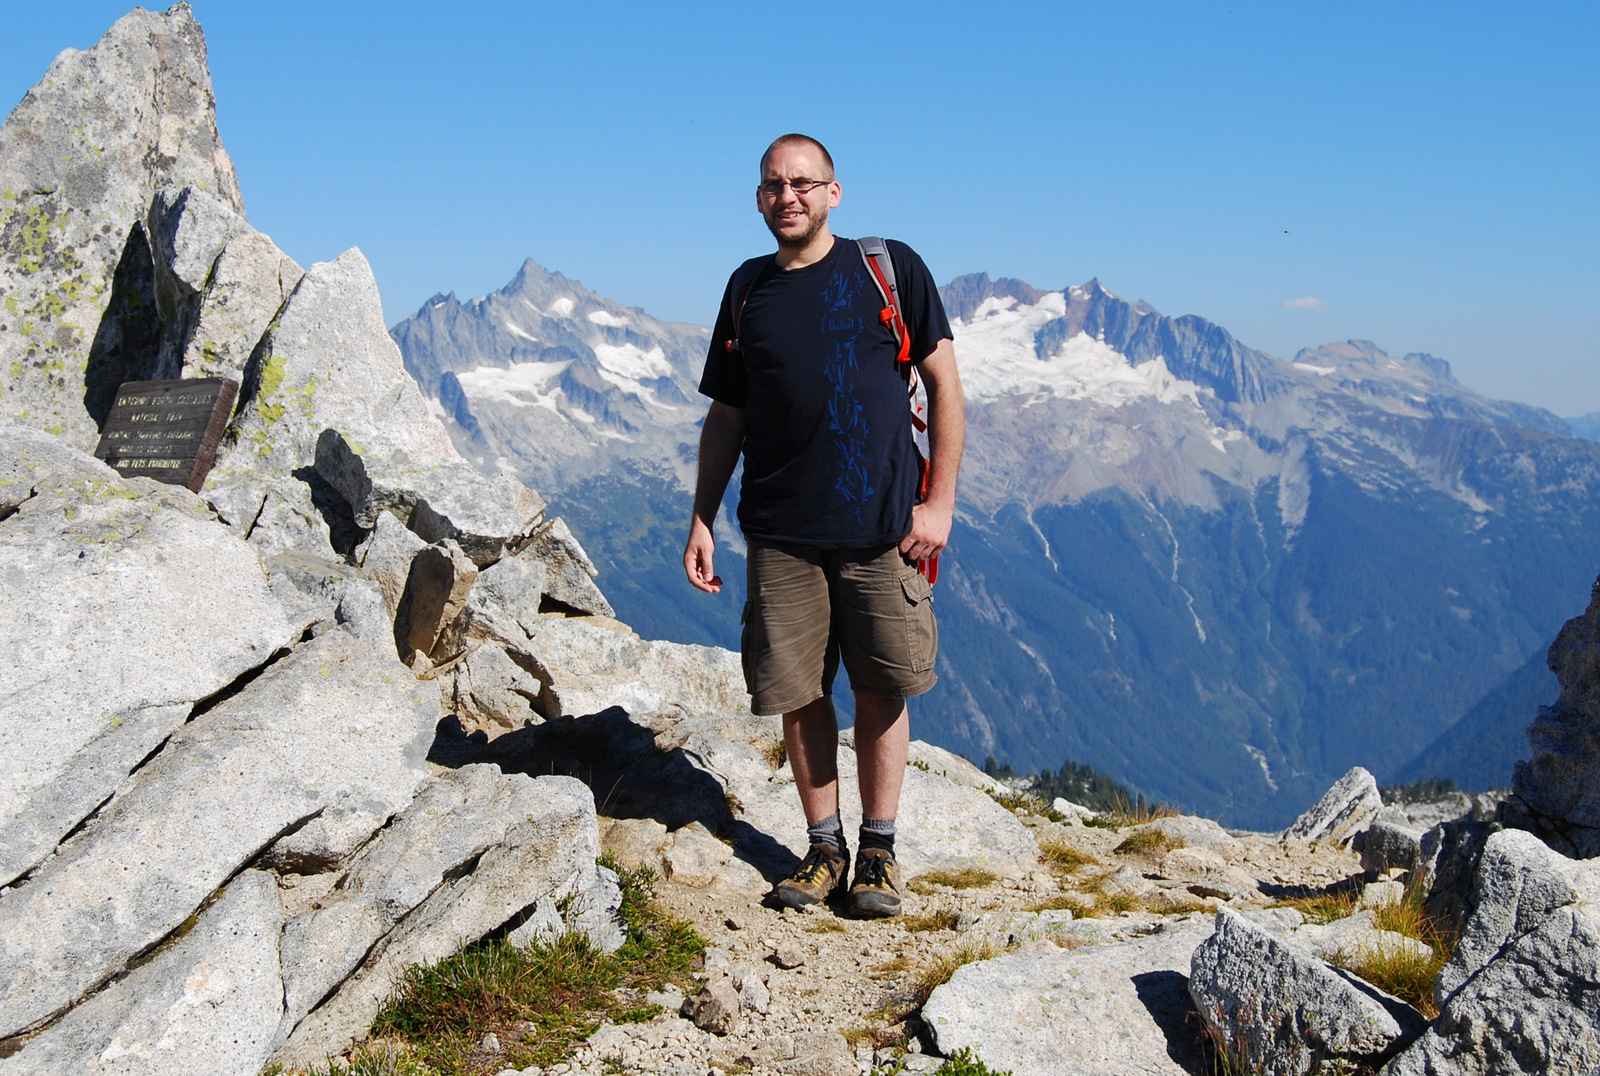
(721, 441)
(947, 433)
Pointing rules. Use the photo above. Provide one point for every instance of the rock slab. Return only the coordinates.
(207, 1006)
(1345, 810)
(1030, 1011)
(330, 721)
(122, 605)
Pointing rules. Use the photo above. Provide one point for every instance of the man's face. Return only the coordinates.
(793, 218)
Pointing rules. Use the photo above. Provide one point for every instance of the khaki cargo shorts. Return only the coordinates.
(809, 608)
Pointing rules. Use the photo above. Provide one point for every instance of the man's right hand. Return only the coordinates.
(697, 558)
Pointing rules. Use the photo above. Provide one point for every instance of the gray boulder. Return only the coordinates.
(436, 593)
(592, 666)
(1521, 995)
(329, 722)
(1387, 845)
(1346, 809)
(124, 605)
(386, 556)
(569, 573)
(206, 1006)
(1447, 867)
(437, 497)
(76, 182)
(488, 689)
(1556, 793)
(358, 608)
(328, 840)
(548, 849)
(325, 362)
(1108, 1010)
(1519, 884)
(513, 587)
(1274, 1010)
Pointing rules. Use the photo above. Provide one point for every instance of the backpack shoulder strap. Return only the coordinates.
(875, 253)
(744, 279)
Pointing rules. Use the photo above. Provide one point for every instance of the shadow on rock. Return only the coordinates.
(637, 767)
(1165, 995)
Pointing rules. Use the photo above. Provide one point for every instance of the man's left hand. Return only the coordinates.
(930, 532)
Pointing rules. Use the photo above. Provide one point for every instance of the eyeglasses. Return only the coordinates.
(773, 188)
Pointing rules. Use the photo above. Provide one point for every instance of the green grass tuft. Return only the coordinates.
(540, 1001)
(1148, 842)
(965, 878)
(943, 919)
(1064, 858)
(1322, 908)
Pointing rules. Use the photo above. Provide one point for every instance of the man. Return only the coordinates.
(807, 387)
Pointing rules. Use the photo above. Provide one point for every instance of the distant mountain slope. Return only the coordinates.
(1586, 426)
(1219, 577)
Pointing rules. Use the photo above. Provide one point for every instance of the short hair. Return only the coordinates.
(794, 139)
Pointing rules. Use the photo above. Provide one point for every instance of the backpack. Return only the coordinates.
(875, 254)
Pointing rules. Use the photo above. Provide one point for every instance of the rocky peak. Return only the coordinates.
(75, 182)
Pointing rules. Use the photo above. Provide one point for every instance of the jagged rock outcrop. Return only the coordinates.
(1346, 809)
(1556, 793)
(81, 158)
(1275, 1010)
(209, 848)
(1521, 994)
(218, 283)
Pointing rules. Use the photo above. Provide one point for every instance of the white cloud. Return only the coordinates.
(1310, 302)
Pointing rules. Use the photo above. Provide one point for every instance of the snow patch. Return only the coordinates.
(608, 319)
(562, 307)
(1313, 368)
(516, 331)
(522, 384)
(632, 362)
(997, 356)
(1261, 760)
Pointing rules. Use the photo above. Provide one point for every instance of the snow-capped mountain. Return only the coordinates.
(1220, 576)
(550, 380)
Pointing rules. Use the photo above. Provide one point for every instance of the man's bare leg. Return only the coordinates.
(883, 741)
(811, 736)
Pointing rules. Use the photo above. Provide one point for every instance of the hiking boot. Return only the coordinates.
(822, 873)
(876, 892)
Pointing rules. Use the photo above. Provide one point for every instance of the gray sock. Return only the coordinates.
(828, 831)
(877, 833)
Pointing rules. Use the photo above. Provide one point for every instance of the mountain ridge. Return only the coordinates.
(1170, 546)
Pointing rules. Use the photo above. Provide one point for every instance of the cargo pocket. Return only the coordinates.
(922, 633)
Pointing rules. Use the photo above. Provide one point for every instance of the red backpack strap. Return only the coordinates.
(875, 253)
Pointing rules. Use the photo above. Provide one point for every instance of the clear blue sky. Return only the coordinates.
(1428, 172)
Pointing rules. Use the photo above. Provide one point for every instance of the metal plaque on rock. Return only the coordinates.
(167, 430)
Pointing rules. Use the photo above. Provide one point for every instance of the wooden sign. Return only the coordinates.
(167, 430)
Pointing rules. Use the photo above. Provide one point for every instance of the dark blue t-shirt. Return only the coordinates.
(828, 456)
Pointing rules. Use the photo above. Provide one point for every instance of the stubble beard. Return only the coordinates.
(815, 219)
